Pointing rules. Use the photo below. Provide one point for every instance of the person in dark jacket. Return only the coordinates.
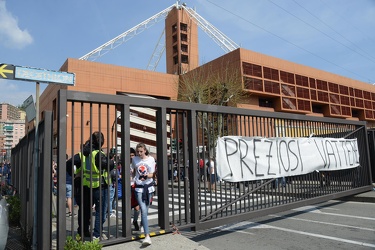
(92, 170)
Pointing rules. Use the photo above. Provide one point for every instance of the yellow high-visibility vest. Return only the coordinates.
(91, 174)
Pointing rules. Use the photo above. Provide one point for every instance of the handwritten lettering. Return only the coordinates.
(252, 158)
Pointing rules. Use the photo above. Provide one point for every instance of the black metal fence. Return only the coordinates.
(185, 198)
(371, 142)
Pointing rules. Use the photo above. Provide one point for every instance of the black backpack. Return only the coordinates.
(114, 174)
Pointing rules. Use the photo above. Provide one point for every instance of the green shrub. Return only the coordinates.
(78, 244)
(14, 209)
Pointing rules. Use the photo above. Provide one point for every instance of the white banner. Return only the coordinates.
(255, 158)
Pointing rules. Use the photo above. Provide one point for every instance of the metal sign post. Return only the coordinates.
(12, 72)
(36, 167)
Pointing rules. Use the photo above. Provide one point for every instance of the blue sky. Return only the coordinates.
(337, 36)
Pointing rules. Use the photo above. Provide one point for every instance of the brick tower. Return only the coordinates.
(181, 42)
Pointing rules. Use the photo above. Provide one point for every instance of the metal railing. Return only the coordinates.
(184, 198)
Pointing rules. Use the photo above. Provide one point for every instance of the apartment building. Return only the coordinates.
(12, 128)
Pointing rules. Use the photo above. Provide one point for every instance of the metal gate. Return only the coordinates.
(183, 134)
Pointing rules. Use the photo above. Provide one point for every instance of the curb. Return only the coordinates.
(364, 197)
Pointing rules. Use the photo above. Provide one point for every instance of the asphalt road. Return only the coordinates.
(335, 224)
(348, 223)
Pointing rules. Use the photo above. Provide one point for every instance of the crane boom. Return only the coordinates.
(127, 35)
(219, 37)
(158, 52)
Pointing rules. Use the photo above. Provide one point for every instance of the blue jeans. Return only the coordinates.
(283, 181)
(68, 190)
(103, 209)
(144, 210)
(112, 200)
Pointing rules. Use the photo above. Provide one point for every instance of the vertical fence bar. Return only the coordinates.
(44, 189)
(162, 161)
(61, 138)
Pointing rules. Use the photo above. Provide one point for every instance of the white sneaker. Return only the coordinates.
(146, 241)
(113, 215)
(104, 237)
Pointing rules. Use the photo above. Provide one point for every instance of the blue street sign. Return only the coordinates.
(43, 75)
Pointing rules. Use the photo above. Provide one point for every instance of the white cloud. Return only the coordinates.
(14, 92)
(11, 35)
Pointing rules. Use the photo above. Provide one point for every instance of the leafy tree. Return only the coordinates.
(216, 86)
(206, 85)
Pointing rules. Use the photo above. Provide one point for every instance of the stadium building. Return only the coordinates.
(274, 84)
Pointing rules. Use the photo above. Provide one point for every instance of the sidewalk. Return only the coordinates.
(15, 240)
(363, 197)
(165, 241)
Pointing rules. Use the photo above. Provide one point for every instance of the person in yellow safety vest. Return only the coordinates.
(91, 174)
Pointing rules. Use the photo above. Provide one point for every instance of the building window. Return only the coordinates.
(351, 91)
(174, 28)
(184, 38)
(334, 98)
(271, 87)
(355, 113)
(184, 48)
(322, 85)
(304, 105)
(288, 90)
(352, 102)
(358, 93)
(184, 59)
(312, 83)
(344, 90)
(272, 74)
(344, 100)
(333, 87)
(289, 103)
(252, 69)
(253, 84)
(366, 95)
(313, 94)
(175, 59)
(369, 114)
(183, 26)
(303, 93)
(317, 109)
(265, 102)
(322, 96)
(302, 81)
(359, 103)
(335, 110)
(368, 104)
(287, 77)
